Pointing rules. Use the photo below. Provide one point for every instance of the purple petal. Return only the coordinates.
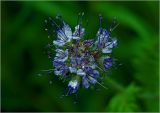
(85, 82)
(108, 62)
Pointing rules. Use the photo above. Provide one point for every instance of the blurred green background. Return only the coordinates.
(132, 86)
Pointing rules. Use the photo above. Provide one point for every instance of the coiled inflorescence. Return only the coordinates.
(81, 62)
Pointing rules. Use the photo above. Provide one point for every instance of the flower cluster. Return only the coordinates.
(81, 61)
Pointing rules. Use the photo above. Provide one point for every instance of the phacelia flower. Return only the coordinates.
(81, 62)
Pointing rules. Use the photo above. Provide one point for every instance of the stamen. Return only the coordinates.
(101, 69)
(68, 92)
(82, 15)
(59, 17)
(114, 24)
(97, 82)
(100, 31)
(54, 22)
(102, 85)
(79, 22)
(78, 18)
(100, 20)
(86, 23)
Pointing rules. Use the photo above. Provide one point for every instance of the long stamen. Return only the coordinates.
(68, 92)
(86, 23)
(100, 20)
(80, 23)
(98, 82)
(102, 85)
(100, 68)
(59, 17)
(78, 18)
(113, 25)
(82, 15)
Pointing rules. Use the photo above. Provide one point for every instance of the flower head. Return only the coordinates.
(72, 87)
(78, 59)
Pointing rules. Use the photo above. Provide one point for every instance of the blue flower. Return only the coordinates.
(64, 35)
(79, 32)
(72, 87)
(80, 72)
(103, 37)
(104, 41)
(61, 55)
(73, 70)
(60, 68)
(109, 45)
(108, 62)
(78, 60)
(90, 77)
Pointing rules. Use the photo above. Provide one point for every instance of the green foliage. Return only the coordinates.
(148, 76)
(125, 101)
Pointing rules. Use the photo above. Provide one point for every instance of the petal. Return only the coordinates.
(95, 73)
(72, 70)
(108, 62)
(80, 72)
(57, 72)
(61, 55)
(58, 64)
(72, 87)
(114, 41)
(106, 50)
(92, 80)
(73, 84)
(111, 44)
(61, 35)
(88, 70)
(61, 70)
(58, 42)
(65, 33)
(103, 34)
(103, 37)
(93, 66)
(75, 61)
(59, 59)
(79, 32)
(76, 37)
(59, 52)
(67, 30)
(85, 82)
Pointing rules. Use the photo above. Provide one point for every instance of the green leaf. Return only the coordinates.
(124, 101)
(146, 68)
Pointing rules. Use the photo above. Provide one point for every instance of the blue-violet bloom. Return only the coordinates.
(81, 62)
